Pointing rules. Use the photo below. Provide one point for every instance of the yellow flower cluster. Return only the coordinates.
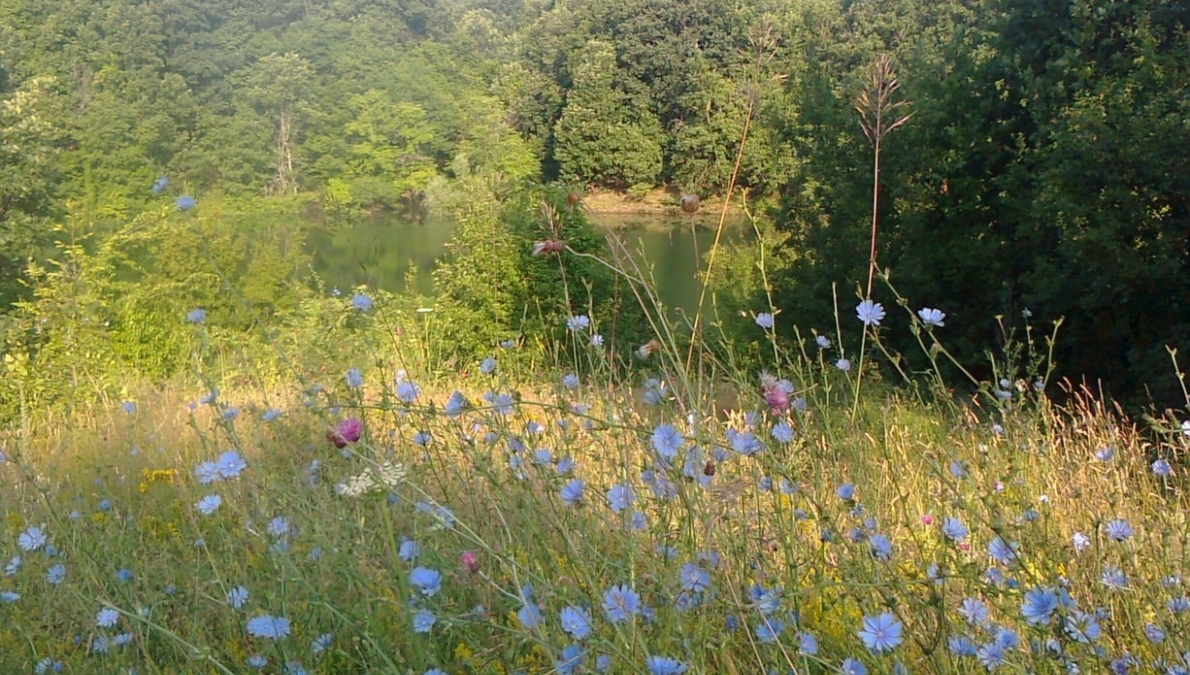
(464, 655)
(466, 658)
(831, 614)
(158, 528)
(150, 476)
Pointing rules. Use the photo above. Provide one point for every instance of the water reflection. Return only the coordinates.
(380, 253)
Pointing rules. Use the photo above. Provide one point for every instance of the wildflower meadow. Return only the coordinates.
(330, 342)
(526, 515)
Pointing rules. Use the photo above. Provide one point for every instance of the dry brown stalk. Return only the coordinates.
(879, 115)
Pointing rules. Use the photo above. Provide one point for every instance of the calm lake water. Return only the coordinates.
(382, 252)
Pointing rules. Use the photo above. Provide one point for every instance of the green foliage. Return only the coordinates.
(577, 281)
(601, 138)
(268, 100)
(261, 100)
(28, 173)
(278, 86)
(1041, 169)
(1109, 218)
(666, 49)
(480, 279)
(389, 144)
(702, 160)
(489, 147)
(748, 276)
(634, 91)
(232, 151)
(56, 344)
(491, 287)
(115, 308)
(148, 338)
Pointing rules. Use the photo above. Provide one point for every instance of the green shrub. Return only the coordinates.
(491, 287)
(116, 309)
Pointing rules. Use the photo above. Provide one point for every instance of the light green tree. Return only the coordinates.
(388, 148)
(279, 86)
(28, 171)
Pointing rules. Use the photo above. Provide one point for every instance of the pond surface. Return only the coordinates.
(396, 256)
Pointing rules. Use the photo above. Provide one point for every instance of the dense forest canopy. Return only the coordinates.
(1043, 168)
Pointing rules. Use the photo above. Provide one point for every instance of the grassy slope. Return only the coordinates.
(118, 491)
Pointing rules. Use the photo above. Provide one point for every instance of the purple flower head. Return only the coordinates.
(870, 313)
(620, 497)
(576, 621)
(269, 627)
(348, 431)
(663, 665)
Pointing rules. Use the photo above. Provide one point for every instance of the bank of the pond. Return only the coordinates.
(612, 209)
(658, 202)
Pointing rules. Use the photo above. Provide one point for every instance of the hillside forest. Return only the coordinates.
(1038, 172)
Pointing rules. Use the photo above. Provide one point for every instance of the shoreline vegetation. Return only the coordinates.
(966, 147)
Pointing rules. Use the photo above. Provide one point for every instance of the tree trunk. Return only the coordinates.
(284, 180)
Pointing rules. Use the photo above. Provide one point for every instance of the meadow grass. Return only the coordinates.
(511, 517)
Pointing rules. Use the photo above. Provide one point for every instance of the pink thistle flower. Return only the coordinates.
(776, 392)
(349, 431)
(927, 519)
(470, 561)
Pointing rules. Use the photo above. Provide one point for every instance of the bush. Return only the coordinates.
(493, 288)
(116, 308)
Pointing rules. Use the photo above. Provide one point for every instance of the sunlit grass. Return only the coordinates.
(748, 553)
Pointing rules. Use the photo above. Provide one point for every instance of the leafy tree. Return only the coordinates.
(496, 287)
(29, 148)
(1109, 221)
(232, 151)
(489, 145)
(390, 142)
(668, 45)
(278, 85)
(1039, 173)
(704, 148)
(480, 280)
(601, 139)
(826, 199)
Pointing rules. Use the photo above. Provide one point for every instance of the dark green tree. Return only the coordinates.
(1109, 223)
(601, 138)
(1039, 172)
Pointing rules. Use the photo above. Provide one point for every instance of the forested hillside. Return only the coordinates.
(1043, 167)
